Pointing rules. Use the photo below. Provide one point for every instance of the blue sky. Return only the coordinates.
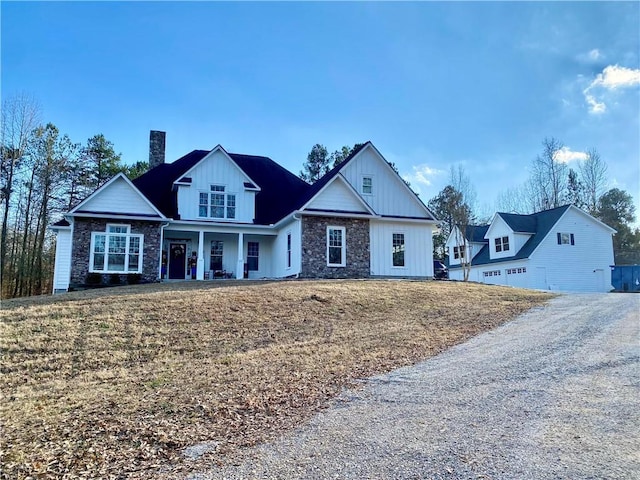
(430, 84)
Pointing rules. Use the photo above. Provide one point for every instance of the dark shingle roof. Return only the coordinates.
(476, 233)
(280, 190)
(543, 222)
(521, 223)
(157, 183)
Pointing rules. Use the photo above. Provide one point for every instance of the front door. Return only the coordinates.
(177, 260)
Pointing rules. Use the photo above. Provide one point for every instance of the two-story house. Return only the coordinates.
(213, 214)
(563, 249)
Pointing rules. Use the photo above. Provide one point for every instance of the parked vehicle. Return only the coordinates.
(440, 270)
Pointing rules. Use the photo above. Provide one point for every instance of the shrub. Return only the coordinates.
(133, 278)
(114, 279)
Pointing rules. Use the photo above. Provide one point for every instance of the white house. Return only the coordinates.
(562, 249)
(213, 214)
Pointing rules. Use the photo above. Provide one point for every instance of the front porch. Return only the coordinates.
(189, 252)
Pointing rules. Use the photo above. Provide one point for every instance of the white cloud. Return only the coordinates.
(590, 56)
(566, 155)
(613, 77)
(594, 106)
(422, 174)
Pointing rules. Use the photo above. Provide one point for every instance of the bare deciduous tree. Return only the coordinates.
(549, 176)
(20, 115)
(464, 216)
(593, 174)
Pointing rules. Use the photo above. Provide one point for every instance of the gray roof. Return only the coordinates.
(539, 224)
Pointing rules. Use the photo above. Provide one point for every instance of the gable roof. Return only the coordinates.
(280, 191)
(279, 188)
(80, 208)
(361, 205)
(476, 233)
(327, 177)
(331, 174)
(539, 224)
(521, 223)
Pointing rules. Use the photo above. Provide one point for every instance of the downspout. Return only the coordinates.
(162, 227)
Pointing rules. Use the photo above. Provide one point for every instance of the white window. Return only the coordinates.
(492, 273)
(217, 203)
(204, 204)
(502, 244)
(336, 247)
(398, 249)
(215, 262)
(253, 252)
(288, 250)
(116, 250)
(367, 185)
(458, 252)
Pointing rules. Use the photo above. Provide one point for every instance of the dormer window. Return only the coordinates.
(367, 185)
(502, 244)
(217, 203)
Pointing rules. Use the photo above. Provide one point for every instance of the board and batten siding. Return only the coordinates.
(390, 195)
(337, 196)
(418, 258)
(119, 197)
(279, 251)
(216, 169)
(265, 255)
(583, 267)
(62, 271)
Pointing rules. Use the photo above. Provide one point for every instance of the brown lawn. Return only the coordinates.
(115, 383)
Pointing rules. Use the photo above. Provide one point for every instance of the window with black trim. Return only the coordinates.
(566, 238)
(398, 249)
(253, 253)
(217, 248)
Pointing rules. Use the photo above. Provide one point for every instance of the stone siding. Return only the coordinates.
(82, 229)
(314, 248)
(157, 141)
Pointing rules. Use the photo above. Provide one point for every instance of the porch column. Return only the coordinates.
(200, 270)
(240, 266)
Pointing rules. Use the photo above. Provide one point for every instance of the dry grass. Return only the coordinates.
(115, 383)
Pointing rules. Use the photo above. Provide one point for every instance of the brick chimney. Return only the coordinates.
(156, 148)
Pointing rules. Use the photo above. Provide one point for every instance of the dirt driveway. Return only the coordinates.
(553, 394)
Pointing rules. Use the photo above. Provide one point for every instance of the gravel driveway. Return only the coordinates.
(553, 394)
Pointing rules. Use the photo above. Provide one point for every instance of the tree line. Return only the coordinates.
(43, 174)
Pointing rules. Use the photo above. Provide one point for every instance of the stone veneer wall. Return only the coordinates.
(314, 248)
(82, 229)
